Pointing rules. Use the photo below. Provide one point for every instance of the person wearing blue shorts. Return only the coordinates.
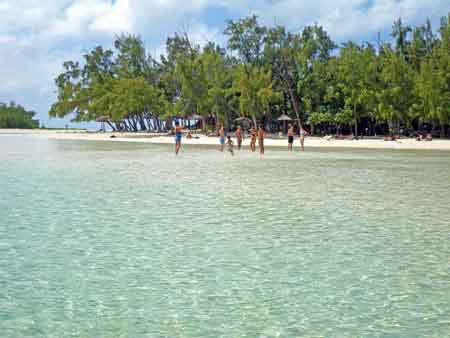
(178, 136)
(222, 137)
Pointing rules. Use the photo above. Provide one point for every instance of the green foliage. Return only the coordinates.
(254, 88)
(266, 69)
(118, 88)
(432, 85)
(344, 117)
(132, 60)
(218, 79)
(357, 75)
(15, 116)
(297, 62)
(395, 95)
(246, 37)
(318, 118)
(126, 97)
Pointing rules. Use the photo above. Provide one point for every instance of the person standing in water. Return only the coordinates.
(290, 137)
(222, 137)
(239, 137)
(261, 135)
(302, 133)
(253, 139)
(178, 135)
(230, 145)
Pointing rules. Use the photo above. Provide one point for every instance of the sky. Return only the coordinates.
(37, 36)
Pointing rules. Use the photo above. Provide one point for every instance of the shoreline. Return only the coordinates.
(310, 142)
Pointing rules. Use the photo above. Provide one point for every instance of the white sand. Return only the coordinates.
(407, 143)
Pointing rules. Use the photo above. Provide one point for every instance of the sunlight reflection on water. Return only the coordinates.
(103, 239)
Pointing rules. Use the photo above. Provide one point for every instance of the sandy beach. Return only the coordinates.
(82, 135)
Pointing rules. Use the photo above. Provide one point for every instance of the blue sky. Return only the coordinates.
(36, 36)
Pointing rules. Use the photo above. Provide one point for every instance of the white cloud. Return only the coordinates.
(77, 18)
(345, 19)
(36, 36)
(117, 18)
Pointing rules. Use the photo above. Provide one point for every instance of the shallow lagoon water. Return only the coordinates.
(101, 239)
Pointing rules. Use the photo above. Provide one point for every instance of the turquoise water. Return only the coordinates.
(112, 240)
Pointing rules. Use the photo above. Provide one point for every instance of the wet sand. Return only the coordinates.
(404, 143)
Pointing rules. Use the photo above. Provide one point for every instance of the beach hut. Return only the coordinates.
(284, 118)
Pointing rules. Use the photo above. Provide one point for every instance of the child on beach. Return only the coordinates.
(230, 145)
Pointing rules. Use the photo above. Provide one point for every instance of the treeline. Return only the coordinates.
(15, 116)
(385, 87)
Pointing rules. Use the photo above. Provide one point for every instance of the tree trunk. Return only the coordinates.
(134, 124)
(142, 122)
(127, 124)
(111, 125)
(203, 124)
(148, 119)
(228, 119)
(391, 127)
(169, 124)
(295, 104)
(118, 126)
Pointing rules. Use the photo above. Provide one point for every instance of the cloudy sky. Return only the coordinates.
(36, 36)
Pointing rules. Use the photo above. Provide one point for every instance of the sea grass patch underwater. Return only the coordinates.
(103, 239)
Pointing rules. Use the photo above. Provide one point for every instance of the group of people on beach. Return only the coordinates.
(255, 134)
(424, 137)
